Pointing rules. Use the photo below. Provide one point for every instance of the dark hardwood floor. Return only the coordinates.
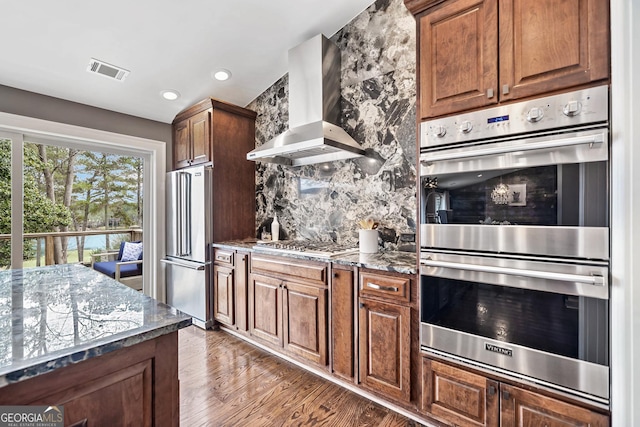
(225, 381)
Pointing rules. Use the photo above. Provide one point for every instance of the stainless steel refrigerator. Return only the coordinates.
(189, 236)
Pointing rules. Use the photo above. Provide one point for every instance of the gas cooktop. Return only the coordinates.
(312, 248)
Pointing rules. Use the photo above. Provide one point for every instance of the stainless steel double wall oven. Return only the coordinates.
(514, 240)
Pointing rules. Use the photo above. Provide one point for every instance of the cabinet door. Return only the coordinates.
(240, 282)
(223, 295)
(201, 137)
(265, 309)
(458, 51)
(385, 352)
(181, 144)
(458, 396)
(549, 45)
(342, 323)
(123, 398)
(305, 321)
(519, 407)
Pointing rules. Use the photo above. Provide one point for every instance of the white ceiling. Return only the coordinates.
(166, 44)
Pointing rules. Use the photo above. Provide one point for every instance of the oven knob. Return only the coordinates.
(439, 131)
(572, 108)
(466, 127)
(535, 115)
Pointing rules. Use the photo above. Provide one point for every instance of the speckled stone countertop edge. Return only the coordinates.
(392, 261)
(88, 351)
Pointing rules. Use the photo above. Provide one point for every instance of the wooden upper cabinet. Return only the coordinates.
(458, 56)
(214, 131)
(181, 144)
(192, 140)
(201, 137)
(549, 45)
(474, 53)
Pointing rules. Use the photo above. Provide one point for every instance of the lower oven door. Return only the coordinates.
(545, 321)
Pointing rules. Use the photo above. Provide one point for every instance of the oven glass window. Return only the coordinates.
(554, 195)
(565, 325)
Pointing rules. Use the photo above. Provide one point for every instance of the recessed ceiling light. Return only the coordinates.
(170, 95)
(221, 74)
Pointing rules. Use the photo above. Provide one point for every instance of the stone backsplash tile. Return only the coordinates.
(378, 100)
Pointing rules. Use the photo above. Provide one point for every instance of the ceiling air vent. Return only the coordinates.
(107, 70)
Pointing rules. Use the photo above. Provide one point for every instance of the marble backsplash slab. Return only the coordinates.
(378, 100)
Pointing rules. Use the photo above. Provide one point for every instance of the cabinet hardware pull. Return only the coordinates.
(223, 258)
(381, 287)
(492, 390)
(505, 395)
(505, 89)
(361, 305)
(335, 274)
(490, 93)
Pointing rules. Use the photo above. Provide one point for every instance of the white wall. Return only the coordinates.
(625, 231)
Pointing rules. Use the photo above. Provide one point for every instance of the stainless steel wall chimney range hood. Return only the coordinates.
(314, 110)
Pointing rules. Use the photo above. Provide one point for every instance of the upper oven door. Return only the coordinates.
(546, 195)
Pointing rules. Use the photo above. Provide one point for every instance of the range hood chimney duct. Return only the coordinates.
(314, 110)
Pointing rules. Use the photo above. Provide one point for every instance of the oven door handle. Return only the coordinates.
(593, 279)
(555, 143)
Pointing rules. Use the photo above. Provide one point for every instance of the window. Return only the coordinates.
(16, 129)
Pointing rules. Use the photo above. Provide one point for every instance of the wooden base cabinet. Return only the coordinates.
(462, 398)
(385, 341)
(132, 386)
(288, 306)
(457, 396)
(342, 324)
(230, 288)
(385, 334)
(223, 295)
(265, 309)
(305, 321)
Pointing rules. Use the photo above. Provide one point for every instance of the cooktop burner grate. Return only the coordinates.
(315, 248)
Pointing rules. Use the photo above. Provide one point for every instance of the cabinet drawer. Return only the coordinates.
(287, 268)
(223, 257)
(390, 287)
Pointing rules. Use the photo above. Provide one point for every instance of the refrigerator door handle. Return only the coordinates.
(182, 264)
(184, 228)
(177, 188)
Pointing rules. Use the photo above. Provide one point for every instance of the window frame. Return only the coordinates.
(21, 128)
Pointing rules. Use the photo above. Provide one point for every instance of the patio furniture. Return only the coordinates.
(124, 265)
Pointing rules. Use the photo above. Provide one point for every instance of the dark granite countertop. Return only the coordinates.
(395, 261)
(51, 317)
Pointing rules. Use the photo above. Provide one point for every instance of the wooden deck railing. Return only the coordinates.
(134, 235)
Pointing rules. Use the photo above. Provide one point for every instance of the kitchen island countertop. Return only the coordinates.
(394, 261)
(55, 316)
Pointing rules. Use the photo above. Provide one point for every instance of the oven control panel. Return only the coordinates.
(577, 108)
